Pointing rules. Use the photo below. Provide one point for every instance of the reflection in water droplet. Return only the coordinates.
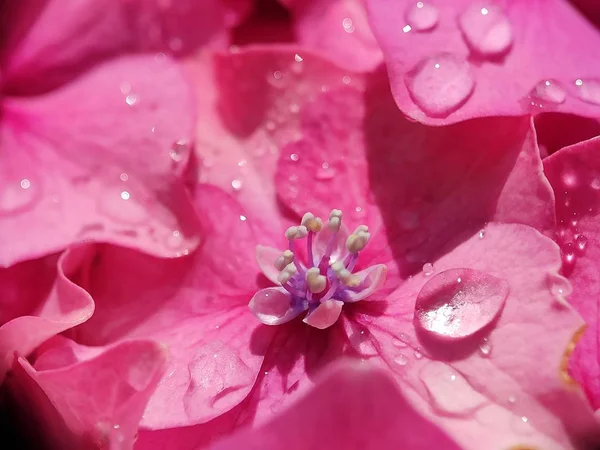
(581, 242)
(122, 206)
(131, 99)
(179, 149)
(236, 185)
(401, 360)
(440, 84)
(243, 218)
(481, 234)
(486, 30)
(427, 269)
(485, 347)
(17, 195)
(348, 25)
(422, 16)
(124, 177)
(457, 303)
(418, 353)
(294, 157)
(125, 195)
(547, 91)
(589, 90)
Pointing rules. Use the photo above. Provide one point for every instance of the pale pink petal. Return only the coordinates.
(238, 147)
(574, 175)
(59, 304)
(506, 382)
(440, 77)
(99, 397)
(338, 29)
(353, 407)
(372, 278)
(197, 306)
(274, 306)
(50, 41)
(322, 238)
(99, 159)
(266, 257)
(324, 315)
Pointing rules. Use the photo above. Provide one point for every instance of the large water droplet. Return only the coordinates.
(427, 269)
(589, 90)
(547, 91)
(17, 195)
(422, 16)
(457, 303)
(440, 84)
(401, 360)
(179, 149)
(486, 29)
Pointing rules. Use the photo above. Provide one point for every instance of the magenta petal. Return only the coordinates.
(512, 70)
(274, 306)
(266, 257)
(324, 315)
(372, 278)
(458, 303)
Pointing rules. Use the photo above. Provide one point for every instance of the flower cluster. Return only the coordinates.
(179, 182)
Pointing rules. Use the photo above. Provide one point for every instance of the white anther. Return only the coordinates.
(288, 272)
(296, 232)
(335, 220)
(312, 223)
(336, 266)
(361, 228)
(315, 281)
(286, 258)
(335, 213)
(345, 276)
(357, 241)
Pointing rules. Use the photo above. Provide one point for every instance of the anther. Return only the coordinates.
(358, 240)
(288, 272)
(335, 220)
(345, 275)
(312, 223)
(286, 258)
(315, 282)
(296, 232)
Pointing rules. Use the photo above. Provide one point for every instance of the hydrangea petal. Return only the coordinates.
(561, 50)
(66, 178)
(574, 175)
(324, 315)
(372, 278)
(322, 238)
(274, 306)
(266, 257)
(361, 407)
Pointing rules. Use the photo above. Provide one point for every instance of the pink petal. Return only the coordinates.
(60, 38)
(324, 315)
(269, 22)
(338, 29)
(266, 257)
(573, 173)
(58, 305)
(555, 131)
(352, 407)
(508, 79)
(196, 306)
(372, 278)
(274, 306)
(507, 381)
(405, 178)
(238, 147)
(322, 239)
(71, 175)
(100, 398)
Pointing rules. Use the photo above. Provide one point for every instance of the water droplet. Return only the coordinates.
(401, 360)
(131, 99)
(241, 163)
(589, 90)
(298, 58)
(548, 91)
(236, 185)
(581, 242)
(569, 253)
(175, 239)
(17, 195)
(486, 30)
(122, 206)
(406, 28)
(125, 195)
(422, 16)
(481, 234)
(294, 157)
(596, 184)
(179, 149)
(325, 172)
(440, 84)
(457, 303)
(512, 399)
(348, 25)
(243, 218)
(485, 347)
(346, 79)
(418, 353)
(427, 269)
(124, 177)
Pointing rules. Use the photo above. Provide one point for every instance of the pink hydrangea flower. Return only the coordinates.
(454, 60)
(451, 214)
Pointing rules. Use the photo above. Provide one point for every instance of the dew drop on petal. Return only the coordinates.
(175, 239)
(481, 234)
(325, 172)
(581, 242)
(236, 185)
(485, 347)
(122, 206)
(486, 30)
(179, 149)
(401, 360)
(418, 353)
(131, 99)
(427, 269)
(588, 90)
(422, 16)
(457, 303)
(440, 84)
(548, 91)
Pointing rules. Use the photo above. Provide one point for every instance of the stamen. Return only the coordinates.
(312, 223)
(287, 273)
(358, 240)
(315, 282)
(335, 220)
(286, 258)
(296, 232)
(344, 275)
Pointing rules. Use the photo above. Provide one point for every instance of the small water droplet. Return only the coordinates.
(298, 58)
(243, 218)
(581, 242)
(512, 399)
(569, 253)
(547, 91)
(294, 157)
(131, 99)
(346, 79)
(418, 353)
(236, 185)
(596, 184)
(406, 28)
(481, 234)
(276, 79)
(175, 239)
(325, 172)
(486, 30)
(125, 195)
(457, 303)
(401, 360)
(241, 163)
(588, 90)
(179, 149)
(348, 25)
(124, 177)
(123, 206)
(427, 269)
(524, 419)
(440, 84)
(485, 347)
(422, 16)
